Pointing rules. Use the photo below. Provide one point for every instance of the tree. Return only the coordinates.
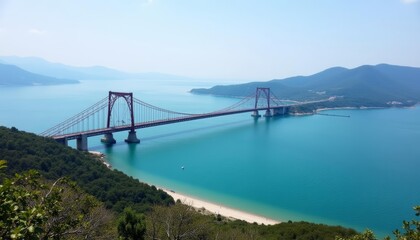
(32, 208)
(177, 222)
(3, 164)
(411, 231)
(131, 226)
(411, 228)
(366, 235)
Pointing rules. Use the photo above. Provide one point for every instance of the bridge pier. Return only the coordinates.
(108, 139)
(62, 141)
(132, 137)
(268, 113)
(82, 143)
(279, 111)
(255, 114)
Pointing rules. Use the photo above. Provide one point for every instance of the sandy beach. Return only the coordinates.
(212, 208)
(219, 209)
(208, 206)
(101, 157)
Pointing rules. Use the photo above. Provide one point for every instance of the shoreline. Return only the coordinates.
(314, 112)
(214, 208)
(204, 206)
(346, 108)
(102, 158)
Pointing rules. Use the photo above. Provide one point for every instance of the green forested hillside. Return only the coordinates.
(24, 151)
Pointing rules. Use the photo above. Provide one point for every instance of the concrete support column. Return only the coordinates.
(255, 114)
(63, 141)
(268, 113)
(279, 111)
(82, 143)
(132, 137)
(108, 139)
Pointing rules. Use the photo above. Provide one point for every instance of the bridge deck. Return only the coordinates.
(102, 131)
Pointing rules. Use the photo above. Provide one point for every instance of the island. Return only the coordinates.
(367, 86)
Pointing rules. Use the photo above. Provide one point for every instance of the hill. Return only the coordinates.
(11, 75)
(381, 85)
(58, 70)
(24, 151)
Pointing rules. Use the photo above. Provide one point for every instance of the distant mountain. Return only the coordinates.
(11, 75)
(58, 70)
(365, 86)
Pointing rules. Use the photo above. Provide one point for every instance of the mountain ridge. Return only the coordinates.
(381, 85)
(59, 70)
(11, 75)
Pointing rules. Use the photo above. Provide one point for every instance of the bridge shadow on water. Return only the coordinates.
(108, 149)
(178, 133)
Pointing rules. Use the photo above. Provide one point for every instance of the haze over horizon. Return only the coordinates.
(217, 39)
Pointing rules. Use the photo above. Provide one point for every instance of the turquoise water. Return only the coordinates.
(360, 172)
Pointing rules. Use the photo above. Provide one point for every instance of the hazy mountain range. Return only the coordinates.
(370, 86)
(365, 86)
(11, 75)
(58, 70)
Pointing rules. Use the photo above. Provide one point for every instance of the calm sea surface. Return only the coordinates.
(360, 172)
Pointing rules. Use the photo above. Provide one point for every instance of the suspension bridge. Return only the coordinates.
(122, 112)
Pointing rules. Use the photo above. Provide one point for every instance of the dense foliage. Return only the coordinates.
(31, 208)
(181, 221)
(25, 151)
(131, 226)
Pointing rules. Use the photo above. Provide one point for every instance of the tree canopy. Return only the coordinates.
(25, 151)
(33, 208)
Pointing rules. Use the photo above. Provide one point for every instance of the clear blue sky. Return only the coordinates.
(241, 39)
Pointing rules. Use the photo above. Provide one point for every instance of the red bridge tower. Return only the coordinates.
(112, 98)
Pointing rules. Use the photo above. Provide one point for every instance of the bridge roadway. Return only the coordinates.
(65, 137)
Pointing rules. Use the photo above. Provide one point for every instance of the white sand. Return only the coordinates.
(219, 209)
(210, 207)
(101, 157)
